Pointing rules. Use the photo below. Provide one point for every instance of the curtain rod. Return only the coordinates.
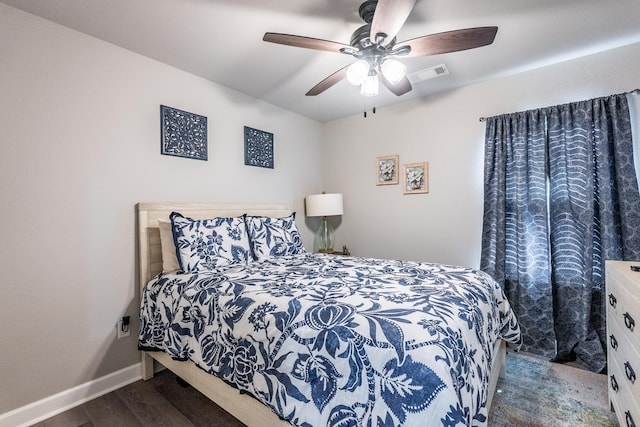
(634, 91)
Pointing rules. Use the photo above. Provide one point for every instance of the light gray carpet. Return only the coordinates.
(537, 393)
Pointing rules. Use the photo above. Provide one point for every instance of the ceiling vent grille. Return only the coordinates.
(428, 73)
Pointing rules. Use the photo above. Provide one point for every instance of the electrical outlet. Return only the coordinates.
(119, 332)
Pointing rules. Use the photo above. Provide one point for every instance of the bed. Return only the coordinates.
(316, 339)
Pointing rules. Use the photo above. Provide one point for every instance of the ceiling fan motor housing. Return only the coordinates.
(371, 50)
(367, 10)
(360, 37)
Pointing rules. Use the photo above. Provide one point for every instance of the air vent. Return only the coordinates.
(428, 73)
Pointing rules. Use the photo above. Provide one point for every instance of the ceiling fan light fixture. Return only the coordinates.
(357, 72)
(393, 70)
(370, 86)
(374, 44)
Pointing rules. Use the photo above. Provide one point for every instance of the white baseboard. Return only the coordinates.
(60, 402)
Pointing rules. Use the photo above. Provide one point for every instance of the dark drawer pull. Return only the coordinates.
(629, 419)
(614, 383)
(629, 322)
(628, 370)
(614, 342)
(613, 300)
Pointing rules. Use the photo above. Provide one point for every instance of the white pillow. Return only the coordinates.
(206, 244)
(271, 237)
(168, 247)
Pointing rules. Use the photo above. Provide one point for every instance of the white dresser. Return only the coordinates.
(623, 332)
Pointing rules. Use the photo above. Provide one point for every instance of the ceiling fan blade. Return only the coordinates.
(450, 41)
(389, 17)
(400, 88)
(328, 82)
(306, 42)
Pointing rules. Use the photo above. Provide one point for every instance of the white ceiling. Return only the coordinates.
(221, 40)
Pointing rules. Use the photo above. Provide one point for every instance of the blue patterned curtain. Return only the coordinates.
(561, 196)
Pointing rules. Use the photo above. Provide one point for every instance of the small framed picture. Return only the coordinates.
(416, 178)
(387, 170)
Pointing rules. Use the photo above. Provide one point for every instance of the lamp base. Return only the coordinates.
(324, 236)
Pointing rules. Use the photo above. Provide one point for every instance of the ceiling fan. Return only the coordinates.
(374, 46)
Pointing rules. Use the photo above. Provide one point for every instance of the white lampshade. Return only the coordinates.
(393, 70)
(357, 71)
(369, 86)
(324, 204)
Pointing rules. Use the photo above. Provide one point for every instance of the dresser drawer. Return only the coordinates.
(620, 396)
(623, 299)
(614, 294)
(628, 361)
(620, 335)
(621, 272)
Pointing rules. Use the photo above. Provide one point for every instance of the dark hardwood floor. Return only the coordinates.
(158, 402)
(533, 392)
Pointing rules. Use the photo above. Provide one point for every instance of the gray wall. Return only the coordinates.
(79, 147)
(446, 224)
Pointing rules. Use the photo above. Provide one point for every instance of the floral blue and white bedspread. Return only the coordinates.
(338, 341)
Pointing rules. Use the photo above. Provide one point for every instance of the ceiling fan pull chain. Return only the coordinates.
(373, 110)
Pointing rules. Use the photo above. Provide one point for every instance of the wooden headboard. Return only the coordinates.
(148, 214)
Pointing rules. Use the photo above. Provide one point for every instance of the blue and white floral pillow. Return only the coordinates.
(271, 237)
(207, 244)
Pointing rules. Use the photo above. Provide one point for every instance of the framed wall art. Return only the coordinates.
(258, 148)
(416, 178)
(387, 170)
(182, 134)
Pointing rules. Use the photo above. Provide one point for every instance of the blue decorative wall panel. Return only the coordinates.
(258, 148)
(183, 134)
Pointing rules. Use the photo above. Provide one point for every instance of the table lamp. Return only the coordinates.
(324, 205)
